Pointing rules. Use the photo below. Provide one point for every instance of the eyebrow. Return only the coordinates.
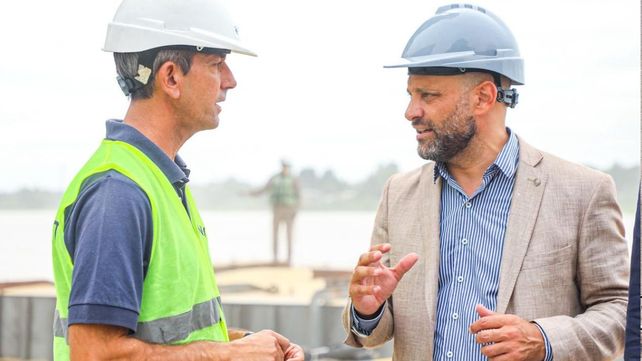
(212, 57)
(422, 90)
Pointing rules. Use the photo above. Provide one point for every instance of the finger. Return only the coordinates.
(361, 272)
(405, 264)
(495, 350)
(294, 353)
(491, 335)
(483, 311)
(369, 258)
(381, 247)
(490, 322)
(284, 343)
(509, 356)
(363, 290)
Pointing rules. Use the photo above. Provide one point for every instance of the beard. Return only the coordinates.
(449, 138)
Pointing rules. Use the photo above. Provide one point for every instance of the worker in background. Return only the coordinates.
(285, 195)
(133, 275)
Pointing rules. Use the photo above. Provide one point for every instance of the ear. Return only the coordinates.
(485, 97)
(169, 79)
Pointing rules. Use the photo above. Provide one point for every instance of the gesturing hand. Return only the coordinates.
(372, 282)
(507, 337)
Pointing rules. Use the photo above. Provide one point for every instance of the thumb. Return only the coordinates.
(405, 264)
(483, 311)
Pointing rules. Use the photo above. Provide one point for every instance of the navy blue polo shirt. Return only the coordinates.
(109, 237)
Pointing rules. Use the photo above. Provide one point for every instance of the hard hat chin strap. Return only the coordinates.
(128, 85)
(145, 65)
(509, 97)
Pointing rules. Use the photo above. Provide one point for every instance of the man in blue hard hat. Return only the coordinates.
(506, 252)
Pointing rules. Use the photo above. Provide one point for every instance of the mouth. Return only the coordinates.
(218, 108)
(423, 134)
(218, 103)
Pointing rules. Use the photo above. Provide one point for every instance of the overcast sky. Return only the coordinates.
(317, 94)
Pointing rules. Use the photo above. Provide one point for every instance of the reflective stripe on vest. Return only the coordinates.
(168, 329)
(60, 326)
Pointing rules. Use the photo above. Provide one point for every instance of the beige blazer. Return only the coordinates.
(564, 263)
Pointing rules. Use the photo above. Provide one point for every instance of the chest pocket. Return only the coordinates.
(538, 260)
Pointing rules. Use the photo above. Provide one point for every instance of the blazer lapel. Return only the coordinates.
(530, 183)
(430, 198)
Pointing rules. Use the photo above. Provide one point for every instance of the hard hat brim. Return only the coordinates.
(119, 39)
(511, 67)
(430, 60)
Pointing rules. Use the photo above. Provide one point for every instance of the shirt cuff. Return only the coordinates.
(103, 315)
(362, 327)
(547, 344)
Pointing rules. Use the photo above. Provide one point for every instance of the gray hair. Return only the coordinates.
(127, 67)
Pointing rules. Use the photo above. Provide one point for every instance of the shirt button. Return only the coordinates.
(455, 316)
(449, 354)
(468, 204)
(460, 279)
(464, 241)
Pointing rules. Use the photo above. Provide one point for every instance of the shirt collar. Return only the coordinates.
(506, 160)
(176, 171)
(509, 156)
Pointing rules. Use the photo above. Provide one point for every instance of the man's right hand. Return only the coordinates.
(372, 282)
(263, 345)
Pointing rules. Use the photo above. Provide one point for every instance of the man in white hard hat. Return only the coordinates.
(134, 279)
(506, 252)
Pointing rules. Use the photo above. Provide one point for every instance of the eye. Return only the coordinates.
(427, 96)
(217, 63)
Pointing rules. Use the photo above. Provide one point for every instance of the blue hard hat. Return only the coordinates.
(463, 37)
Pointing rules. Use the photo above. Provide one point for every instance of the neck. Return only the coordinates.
(157, 121)
(469, 165)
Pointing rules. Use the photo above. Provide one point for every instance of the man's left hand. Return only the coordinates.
(507, 337)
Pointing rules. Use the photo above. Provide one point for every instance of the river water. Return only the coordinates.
(322, 239)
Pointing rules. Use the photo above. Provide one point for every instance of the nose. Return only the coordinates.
(414, 110)
(227, 78)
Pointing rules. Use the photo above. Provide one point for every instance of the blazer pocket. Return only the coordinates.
(538, 260)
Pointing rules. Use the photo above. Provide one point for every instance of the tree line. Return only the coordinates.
(320, 191)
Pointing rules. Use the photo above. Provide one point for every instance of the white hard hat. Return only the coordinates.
(141, 25)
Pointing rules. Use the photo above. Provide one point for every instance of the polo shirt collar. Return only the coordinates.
(175, 170)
